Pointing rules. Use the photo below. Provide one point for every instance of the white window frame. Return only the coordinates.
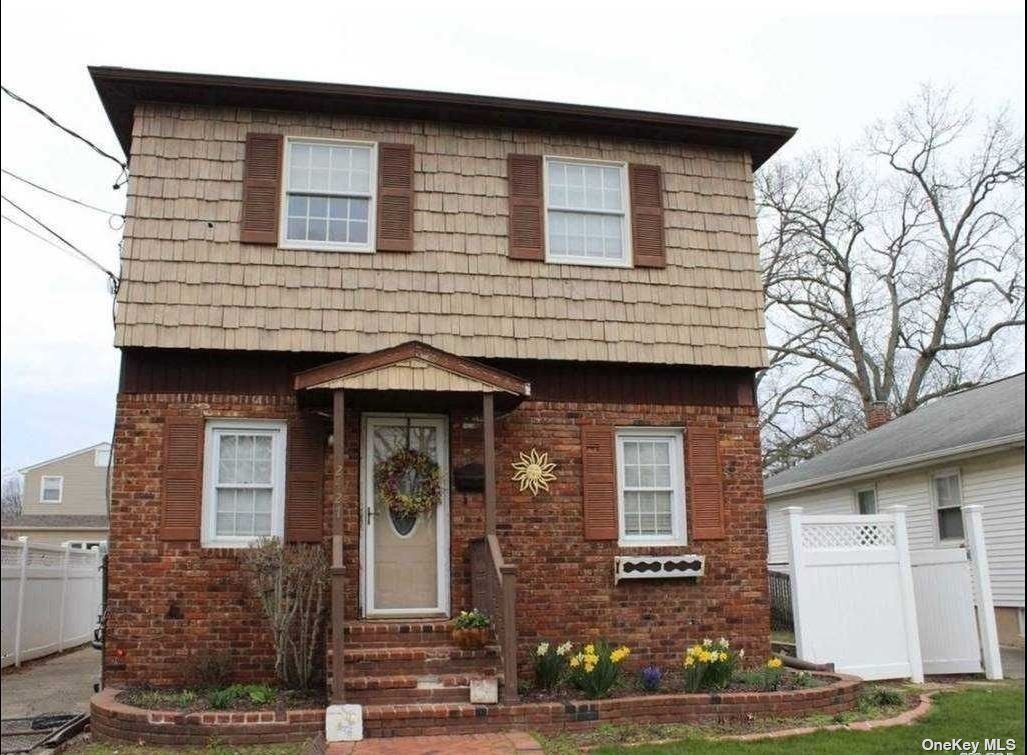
(101, 457)
(285, 242)
(60, 488)
(950, 472)
(679, 534)
(626, 260)
(214, 428)
(865, 489)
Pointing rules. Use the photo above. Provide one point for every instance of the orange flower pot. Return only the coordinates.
(471, 639)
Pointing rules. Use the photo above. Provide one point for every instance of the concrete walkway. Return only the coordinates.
(63, 683)
(510, 743)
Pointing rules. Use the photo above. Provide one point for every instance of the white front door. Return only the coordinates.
(405, 559)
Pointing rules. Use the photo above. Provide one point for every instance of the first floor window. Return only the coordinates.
(245, 481)
(866, 501)
(948, 501)
(328, 194)
(51, 488)
(586, 210)
(650, 481)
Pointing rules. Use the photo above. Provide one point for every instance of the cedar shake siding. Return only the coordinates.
(173, 603)
(201, 268)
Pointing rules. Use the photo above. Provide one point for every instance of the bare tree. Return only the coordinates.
(10, 495)
(892, 273)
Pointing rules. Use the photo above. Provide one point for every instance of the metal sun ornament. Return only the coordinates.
(534, 471)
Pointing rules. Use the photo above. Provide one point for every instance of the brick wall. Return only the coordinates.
(173, 603)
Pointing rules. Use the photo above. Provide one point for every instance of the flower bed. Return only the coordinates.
(233, 697)
(110, 718)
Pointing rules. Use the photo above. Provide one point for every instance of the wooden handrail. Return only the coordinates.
(494, 591)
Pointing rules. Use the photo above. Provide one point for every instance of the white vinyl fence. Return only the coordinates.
(50, 598)
(863, 601)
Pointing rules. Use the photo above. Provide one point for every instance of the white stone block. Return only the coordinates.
(344, 723)
(485, 691)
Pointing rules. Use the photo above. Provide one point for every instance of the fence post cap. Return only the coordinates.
(971, 507)
(792, 510)
(897, 508)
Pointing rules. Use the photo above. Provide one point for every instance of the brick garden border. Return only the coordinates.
(114, 720)
(110, 719)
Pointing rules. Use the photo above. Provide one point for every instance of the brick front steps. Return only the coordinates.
(113, 720)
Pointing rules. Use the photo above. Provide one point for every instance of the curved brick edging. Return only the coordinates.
(110, 719)
(113, 720)
(555, 717)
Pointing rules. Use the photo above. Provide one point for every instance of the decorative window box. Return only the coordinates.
(658, 567)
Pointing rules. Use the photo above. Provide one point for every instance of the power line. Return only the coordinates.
(65, 197)
(41, 237)
(71, 132)
(111, 276)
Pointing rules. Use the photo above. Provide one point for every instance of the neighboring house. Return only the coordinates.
(317, 277)
(64, 499)
(965, 448)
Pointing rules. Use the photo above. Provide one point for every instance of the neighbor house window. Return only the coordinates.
(51, 489)
(650, 475)
(866, 501)
(586, 215)
(948, 500)
(244, 474)
(101, 457)
(329, 198)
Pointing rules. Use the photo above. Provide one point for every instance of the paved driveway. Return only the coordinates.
(63, 683)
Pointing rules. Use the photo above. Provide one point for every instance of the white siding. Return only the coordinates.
(995, 481)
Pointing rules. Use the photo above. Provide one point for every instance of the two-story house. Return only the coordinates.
(64, 500)
(339, 304)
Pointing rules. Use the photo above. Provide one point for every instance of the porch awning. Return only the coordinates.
(412, 366)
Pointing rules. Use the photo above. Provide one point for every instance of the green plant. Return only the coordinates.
(473, 619)
(550, 664)
(879, 697)
(709, 665)
(219, 699)
(766, 679)
(803, 679)
(596, 669)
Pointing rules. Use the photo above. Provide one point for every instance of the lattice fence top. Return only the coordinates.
(847, 536)
(10, 553)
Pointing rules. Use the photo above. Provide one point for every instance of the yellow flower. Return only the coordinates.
(589, 667)
(689, 661)
(575, 661)
(590, 649)
(774, 663)
(620, 654)
(704, 657)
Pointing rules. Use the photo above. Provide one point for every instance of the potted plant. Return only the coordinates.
(471, 629)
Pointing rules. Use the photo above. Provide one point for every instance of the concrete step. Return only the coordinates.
(419, 661)
(403, 689)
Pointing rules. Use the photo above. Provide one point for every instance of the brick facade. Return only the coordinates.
(172, 604)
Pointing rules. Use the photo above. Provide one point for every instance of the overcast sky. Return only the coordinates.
(827, 75)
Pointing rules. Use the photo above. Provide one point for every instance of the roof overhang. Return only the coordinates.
(992, 445)
(120, 89)
(412, 366)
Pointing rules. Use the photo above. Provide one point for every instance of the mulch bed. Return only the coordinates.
(672, 682)
(151, 699)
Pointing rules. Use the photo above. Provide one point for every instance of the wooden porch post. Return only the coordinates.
(489, 422)
(338, 571)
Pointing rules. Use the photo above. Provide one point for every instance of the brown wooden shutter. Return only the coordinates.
(304, 481)
(182, 493)
(598, 483)
(261, 189)
(395, 230)
(527, 225)
(704, 476)
(646, 183)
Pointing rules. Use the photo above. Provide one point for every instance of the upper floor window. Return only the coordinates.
(586, 212)
(866, 501)
(244, 494)
(101, 457)
(51, 489)
(329, 195)
(948, 502)
(650, 477)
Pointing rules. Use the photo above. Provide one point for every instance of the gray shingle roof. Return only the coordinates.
(976, 418)
(56, 521)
